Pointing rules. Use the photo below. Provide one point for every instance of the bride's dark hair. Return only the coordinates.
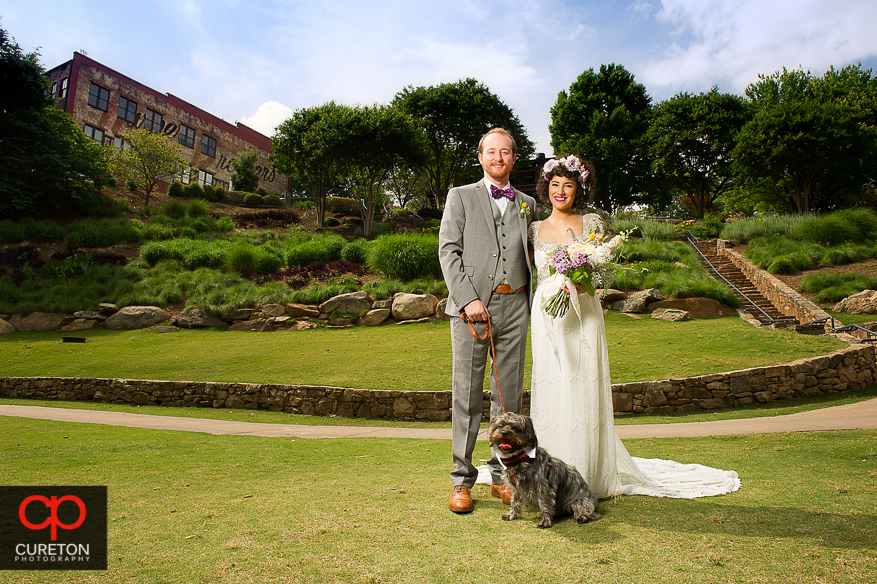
(559, 166)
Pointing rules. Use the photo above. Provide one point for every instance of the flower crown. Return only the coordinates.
(570, 164)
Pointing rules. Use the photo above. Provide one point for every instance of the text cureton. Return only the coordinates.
(52, 549)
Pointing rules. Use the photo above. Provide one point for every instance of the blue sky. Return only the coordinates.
(256, 61)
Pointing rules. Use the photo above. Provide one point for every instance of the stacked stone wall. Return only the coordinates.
(842, 370)
(784, 298)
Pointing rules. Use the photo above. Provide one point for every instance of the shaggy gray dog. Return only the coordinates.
(542, 481)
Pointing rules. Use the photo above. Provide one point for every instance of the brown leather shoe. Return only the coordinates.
(461, 500)
(502, 492)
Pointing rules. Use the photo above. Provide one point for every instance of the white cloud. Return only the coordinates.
(266, 119)
(731, 42)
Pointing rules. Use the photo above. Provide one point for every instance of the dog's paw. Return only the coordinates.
(507, 517)
(544, 524)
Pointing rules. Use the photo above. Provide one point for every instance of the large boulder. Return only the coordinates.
(440, 308)
(671, 314)
(374, 317)
(636, 302)
(236, 314)
(79, 324)
(258, 325)
(352, 303)
(273, 310)
(865, 302)
(6, 328)
(302, 310)
(136, 317)
(413, 306)
(610, 295)
(38, 321)
(696, 307)
(197, 318)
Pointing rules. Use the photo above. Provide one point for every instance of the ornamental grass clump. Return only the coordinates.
(104, 233)
(406, 256)
(174, 209)
(30, 230)
(241, 258)
(743, 230)
(836, 287)
(828, 230)
(638, 250)
(322, 248)
(356, 251)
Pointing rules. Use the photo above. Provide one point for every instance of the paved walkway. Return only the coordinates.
(862, 415)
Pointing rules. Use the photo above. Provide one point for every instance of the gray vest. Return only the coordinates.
(511, 266)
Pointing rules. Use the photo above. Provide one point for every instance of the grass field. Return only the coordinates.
(194, 508)
(409, 357)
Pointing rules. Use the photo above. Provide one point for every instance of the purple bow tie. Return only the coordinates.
(507, 192)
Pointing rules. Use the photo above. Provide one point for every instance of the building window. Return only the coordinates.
(95, 134)
(186, 136)
(120, 142)
(204, 178)
(154, 121)
(127, 109)
(98, 97)
(208, 146)
(63, 93)
(54, 89)
(185, 176)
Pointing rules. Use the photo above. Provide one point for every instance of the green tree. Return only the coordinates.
(453, 117)
(384, 137)
(408, 186)
(145, 159)
(243, 172)
(815, 136)
(604, 118)
(690, 141)
(315, 145)
(45, 159)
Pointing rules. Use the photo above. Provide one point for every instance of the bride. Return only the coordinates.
(571, 397)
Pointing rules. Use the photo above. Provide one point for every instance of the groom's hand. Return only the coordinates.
(476, 311)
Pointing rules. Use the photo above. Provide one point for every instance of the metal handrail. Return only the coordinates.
(692, 239)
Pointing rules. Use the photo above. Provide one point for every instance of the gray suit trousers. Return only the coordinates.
(509, 315)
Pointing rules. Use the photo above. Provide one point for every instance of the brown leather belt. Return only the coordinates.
(506, 289)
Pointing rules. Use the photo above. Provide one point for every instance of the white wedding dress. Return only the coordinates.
(571, 401)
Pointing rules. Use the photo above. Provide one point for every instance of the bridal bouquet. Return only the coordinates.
(581, 262)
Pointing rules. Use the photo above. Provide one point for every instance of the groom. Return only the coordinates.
(484, 259)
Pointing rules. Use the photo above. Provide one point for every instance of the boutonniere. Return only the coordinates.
(525, 210)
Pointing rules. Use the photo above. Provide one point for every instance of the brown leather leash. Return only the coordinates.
(488, 332)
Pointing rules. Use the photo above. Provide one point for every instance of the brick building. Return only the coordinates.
(104, 103)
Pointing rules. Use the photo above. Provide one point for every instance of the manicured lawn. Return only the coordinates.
(409, 357)
(195, 508)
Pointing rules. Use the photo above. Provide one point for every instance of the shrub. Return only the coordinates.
(323, 248)
(132, 186)
(224, 224)
(76, 264)
(343, 205)
(253, 200)
(431, 226)
(234, 197)
(174, 209)
(405, 256)
(332, 222)
(273, 200)
(176, 189)
(429, 213)
(194, 191)
(213, 193)
(198, 208)
(356, 251)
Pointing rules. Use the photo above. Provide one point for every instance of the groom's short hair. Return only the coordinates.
(505, 133)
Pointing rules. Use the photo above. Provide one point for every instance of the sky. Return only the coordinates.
(257, 61)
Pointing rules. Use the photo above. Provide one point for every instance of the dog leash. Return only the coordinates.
(488, 332)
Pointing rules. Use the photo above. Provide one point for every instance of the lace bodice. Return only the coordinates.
(543, 249)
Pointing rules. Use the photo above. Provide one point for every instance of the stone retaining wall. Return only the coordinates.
(842, 370)
(787, 300)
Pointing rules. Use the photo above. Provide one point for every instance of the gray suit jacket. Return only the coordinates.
(468, 250)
